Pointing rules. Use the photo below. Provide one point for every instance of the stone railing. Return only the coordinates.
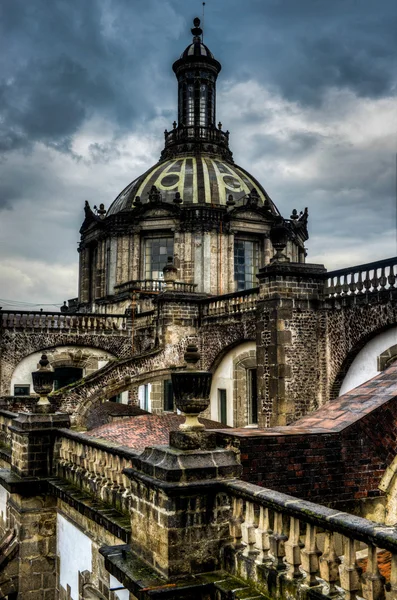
(155, 286)
(56, 321)
(6, 418)
(94, 466)
(230, 304)
(308, 544)
(196, 132)
(370, 277)
(141, 285)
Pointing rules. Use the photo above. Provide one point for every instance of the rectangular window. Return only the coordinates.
(246, 259)
(252, 397)
(157, 251)
(222, 406)
(22, 390)
(144, 396)
(168, 396)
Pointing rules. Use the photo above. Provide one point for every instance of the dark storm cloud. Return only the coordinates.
(66, 61)
(86, 90)
(307, 46)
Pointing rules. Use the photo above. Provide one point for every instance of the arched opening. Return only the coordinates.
(66, 375)
(367, 364)
(234, 398)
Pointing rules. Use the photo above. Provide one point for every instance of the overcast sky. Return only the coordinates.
(307, 90)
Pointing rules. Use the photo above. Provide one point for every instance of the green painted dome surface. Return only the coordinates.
(198, 179)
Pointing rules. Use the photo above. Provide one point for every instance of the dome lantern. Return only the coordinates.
(196, 71)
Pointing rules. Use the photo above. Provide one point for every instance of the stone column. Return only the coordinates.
(289, 331)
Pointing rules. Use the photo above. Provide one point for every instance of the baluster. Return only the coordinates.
(367, 282)
(248, 529)
(349, 576)
(277, 541)
(374, 582)
(392, 595)
(352, 285)
(338, 286)
(329, 564)
(360, 285)
(235, 522)
(310, 555)
(391, 277)
(382, 279)
(262, 534)
(345, 287)
(292, 549)
(375, 280)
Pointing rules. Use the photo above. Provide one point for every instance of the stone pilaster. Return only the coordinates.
(180, 521)
(288, 338)
(32, 442)
(34, 521)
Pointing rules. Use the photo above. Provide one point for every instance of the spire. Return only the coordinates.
(196, 71)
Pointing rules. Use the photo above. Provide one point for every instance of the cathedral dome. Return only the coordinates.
(197, 48)
(201, 179)
(196, 162)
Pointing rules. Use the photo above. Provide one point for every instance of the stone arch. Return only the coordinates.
(216, 338)
(219, 357)
(118, 376)
(86, 359)
(17, 345)
(353, 353)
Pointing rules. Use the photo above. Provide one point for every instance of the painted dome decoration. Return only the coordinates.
(198, 179)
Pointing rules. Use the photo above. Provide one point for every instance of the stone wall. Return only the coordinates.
(15, 345)
(328, 468)
(351, 323)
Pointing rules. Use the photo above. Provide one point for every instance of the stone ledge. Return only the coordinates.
(92, 508)
(172, 465)
(24, 486)
(144, 582)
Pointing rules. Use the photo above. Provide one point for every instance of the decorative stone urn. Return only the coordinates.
(191, 390)
(279, 235)
(170, 273)
(43, 381)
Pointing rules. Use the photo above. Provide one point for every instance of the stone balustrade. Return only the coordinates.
(279, 540)
(42, 321)
(153, 286)
(370, 277)
(237, 303)
(94, 466)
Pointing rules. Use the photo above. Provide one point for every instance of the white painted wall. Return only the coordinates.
(364, 366)
(23, 372)
(74, 550)
(3, 505)
(223, 379)
(122, 594)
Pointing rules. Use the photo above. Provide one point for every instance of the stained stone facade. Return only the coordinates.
(196, 205)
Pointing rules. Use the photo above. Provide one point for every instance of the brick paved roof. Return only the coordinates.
(107, 411)
(337, 415)
(145, 430)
